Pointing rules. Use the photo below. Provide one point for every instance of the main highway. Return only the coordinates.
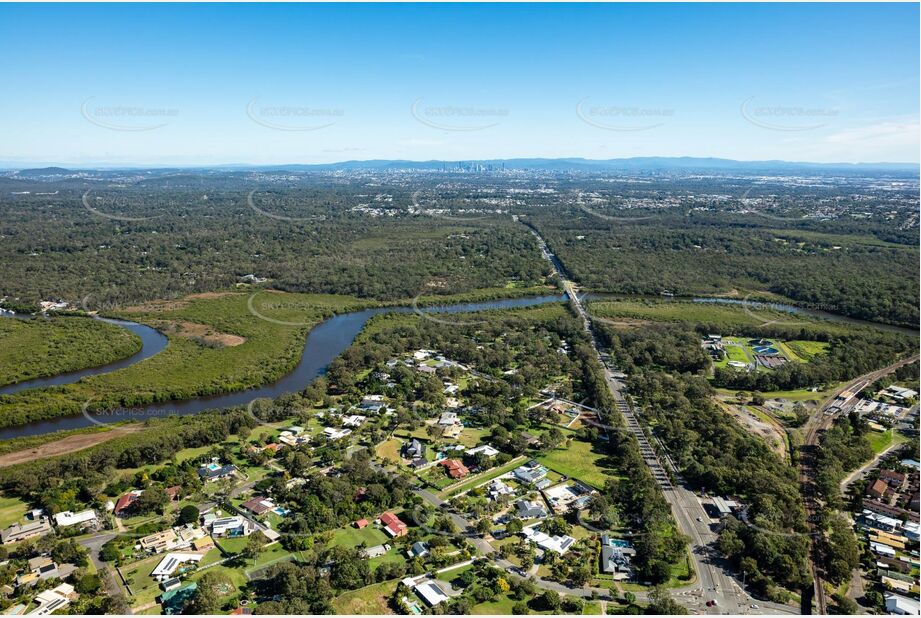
(714, 582)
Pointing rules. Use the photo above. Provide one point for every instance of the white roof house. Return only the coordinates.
(227, 524)
(882, 550)
(354, 420)
(431, 593)
(173, 561)
(448, 418)
(332, 433)
(559, 544)
(901, 606)
(52, 600)
(486, 449)
(68, 518)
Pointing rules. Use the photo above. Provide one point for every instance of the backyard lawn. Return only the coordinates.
(389, 450)
(368, 600)
(483, 477)
(353, 537)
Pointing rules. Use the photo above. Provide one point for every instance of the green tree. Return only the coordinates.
(189, 514)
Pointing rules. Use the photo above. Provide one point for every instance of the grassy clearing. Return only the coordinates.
(42, 347)
(12, 510)
(389, 450)
(366, 601)
(580, 460)
(805, 350)
(353, 537)
(591, 608)
(727, 317)
(881, 440)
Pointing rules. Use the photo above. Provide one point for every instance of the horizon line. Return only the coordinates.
(12, 165)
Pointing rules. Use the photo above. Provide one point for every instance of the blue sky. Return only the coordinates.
(242, 83)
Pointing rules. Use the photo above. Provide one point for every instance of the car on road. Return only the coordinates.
(754, 606)
(699, 519)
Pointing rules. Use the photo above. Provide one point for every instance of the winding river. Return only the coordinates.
(152, 342)
(323, 344)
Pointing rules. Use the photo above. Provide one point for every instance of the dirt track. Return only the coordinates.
(70, 444)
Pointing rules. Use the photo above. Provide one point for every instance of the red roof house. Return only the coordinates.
(125, 503)
(393, 525)
(878, 489)
(173, 492)
(361, 523)
(258, 505)
(456, 470)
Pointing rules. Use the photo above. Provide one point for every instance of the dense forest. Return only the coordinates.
(37, 348)
(845, 245)
(705, 254)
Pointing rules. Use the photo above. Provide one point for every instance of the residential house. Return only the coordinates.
(878, 489)
(159, 541)
(530, 510)
(67, 518)
(448, 418)
(486, 449)
(418, 550)
(126, 502)
(498, 489)
(432, 593)
(54, 600)
(614, 561)
(558, 544)
(334, 433)
(530, 473)
(28, 530)
(258, 505)
(456, 470)
(899, 605)
(171, 562)
(215, 472)
(375, 551)
(414, 449)
(233, 526)
(895, 480)
(393, 525)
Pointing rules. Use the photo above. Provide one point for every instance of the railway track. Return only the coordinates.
(814, 428)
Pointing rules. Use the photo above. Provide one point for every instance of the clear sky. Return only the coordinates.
(243, 83)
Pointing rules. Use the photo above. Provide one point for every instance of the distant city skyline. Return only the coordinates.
(212, 84)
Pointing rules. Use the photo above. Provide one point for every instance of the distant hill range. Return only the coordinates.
(634, 164)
